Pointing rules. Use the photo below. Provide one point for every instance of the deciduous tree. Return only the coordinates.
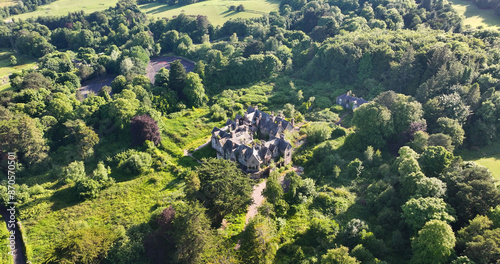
(193, 90)
(433, 244)
(142, 128)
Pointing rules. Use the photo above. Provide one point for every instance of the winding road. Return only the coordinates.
(19, 254)
(153, 67)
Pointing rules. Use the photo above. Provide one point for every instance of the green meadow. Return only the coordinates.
(488, 156)
(63, 7)
(51, 214)
(4, 3)
(217, 11)
(474, 16)
(23, 63)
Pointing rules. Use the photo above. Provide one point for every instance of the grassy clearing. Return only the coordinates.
(474, 16)
(188, 130)
(488, 156)
(6, 69)
(216, 10)
(50, 217)
(4, 3)
(205, 152)
(63, 7)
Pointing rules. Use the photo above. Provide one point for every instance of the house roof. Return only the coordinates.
(283, 144)
(353, 99)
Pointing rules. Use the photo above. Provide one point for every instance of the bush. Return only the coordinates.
(240, 8)
(337, 109)
(89, 245)
(217, 113)
(138, 163)
(13, 60)
(324, 115)
(318, 132)
(74, 172)
(89, 187)
(339, 132)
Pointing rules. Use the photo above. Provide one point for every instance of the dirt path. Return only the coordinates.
(258, 199)
(187, 153)
(340, 119)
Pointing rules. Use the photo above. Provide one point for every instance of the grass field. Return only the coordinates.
(23, 62)
(188, 130)
(474, 16)
(49, 218)
(216, 10)
(63, 7)
(488, 156)
(4, 3)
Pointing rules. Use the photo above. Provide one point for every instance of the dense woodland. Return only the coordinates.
(385, 187)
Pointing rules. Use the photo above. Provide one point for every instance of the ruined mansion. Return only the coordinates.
(235, 141)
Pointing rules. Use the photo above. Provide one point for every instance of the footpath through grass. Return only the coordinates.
(488, 156)
(6, 68)
(476, 17)
(217, 11)
(63, 7)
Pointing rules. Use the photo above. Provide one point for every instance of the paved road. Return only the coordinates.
(19, 254)
(164, 62)
(153, 67)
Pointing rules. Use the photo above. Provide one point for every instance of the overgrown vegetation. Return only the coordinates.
(107, 178)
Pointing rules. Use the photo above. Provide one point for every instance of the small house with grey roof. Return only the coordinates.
(235, 141)
(348, 100)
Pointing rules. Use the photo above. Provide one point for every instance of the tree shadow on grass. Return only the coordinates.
(173, 184)
(122, 176)
(187, 162)
(64, 198)
(157, 8)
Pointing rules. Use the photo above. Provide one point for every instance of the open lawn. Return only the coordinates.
(474, 16)
(488, 156)
(6, 69)
(4, 3)
(63, 7)
(217, 11)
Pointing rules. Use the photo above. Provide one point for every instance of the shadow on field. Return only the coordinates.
(157, 8)
(64, 198)
(172, 184)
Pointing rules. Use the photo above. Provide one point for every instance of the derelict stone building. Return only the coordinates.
(235, 141)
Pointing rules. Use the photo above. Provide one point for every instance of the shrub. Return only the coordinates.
(338, 132)
(240, 8)
(337, 109)
(138, 163)
(89, 187)
(74, 172)
(13, 60)
(324, 115)
(89, 245)
(217, 112)
(318, 132)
